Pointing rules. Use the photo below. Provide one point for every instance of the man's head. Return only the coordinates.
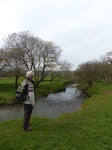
(30, 74)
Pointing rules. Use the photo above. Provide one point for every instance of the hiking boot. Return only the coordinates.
(28, 129)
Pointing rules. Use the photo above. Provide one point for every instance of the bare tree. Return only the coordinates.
(14, 66)
(2, 65)
(106, 66)
(104, 71)
(31, 53)
(93, 71)
(62, 69)
(107, 57)
(87, 72)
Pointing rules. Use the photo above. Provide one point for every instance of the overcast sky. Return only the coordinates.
(82, 28)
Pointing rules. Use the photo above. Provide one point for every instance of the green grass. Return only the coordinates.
(99, 88)
(44, 89)
(90, 128)
(7, 89)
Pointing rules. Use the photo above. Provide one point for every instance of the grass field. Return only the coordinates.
(90, 128)
(7, 89)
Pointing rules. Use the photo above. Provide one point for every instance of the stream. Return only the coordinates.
(51, 106)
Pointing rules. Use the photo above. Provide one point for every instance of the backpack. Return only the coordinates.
(21, 93)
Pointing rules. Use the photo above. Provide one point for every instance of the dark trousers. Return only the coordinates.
(27, 113)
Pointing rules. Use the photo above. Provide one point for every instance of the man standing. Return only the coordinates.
(30, 101)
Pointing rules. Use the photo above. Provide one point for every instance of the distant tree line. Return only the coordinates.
(23, 52)
(95, 70)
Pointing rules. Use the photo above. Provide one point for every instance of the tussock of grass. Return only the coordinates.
(87, 129)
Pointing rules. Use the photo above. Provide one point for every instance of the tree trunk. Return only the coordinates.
(16, 82)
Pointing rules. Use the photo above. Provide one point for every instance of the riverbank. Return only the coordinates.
(87, 129)
(51, 106)
(7, 89)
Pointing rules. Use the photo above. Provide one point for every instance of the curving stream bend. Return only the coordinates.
(51, 106)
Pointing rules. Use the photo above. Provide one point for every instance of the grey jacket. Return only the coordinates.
(31, 95)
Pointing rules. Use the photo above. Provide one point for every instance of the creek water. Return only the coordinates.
(51, 106)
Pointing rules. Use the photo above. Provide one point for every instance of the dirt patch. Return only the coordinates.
(109, 92)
